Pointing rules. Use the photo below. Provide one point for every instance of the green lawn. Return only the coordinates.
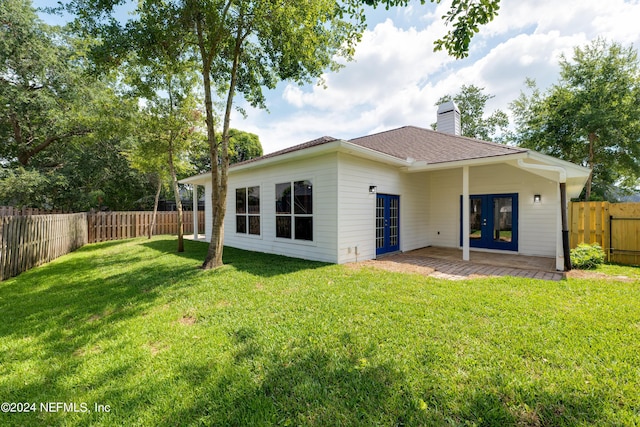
(268, 340)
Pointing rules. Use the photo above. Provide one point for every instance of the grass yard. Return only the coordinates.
(140, 330)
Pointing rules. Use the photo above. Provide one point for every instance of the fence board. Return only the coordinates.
(29, 241)
(614, 226)
(105, 226)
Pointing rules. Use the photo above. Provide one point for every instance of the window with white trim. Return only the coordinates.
(294, 210)
(248, 210)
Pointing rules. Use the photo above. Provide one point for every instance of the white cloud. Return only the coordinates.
(397, 78)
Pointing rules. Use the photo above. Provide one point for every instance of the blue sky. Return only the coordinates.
(396, 78)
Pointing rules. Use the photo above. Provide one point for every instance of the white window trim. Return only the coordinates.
(247, 214)
(293, 215)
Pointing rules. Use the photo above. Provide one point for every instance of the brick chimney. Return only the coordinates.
(449, 118)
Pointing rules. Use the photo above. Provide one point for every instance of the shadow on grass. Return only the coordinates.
(54, 314)
(256, 263)
(314, 388)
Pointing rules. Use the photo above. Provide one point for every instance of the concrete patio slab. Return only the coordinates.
(447, 263)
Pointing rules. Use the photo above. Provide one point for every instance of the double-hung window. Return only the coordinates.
(294, 210)
(248, 210)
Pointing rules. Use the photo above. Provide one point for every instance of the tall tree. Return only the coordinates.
(46, 94)
(591, 116)
(242, 46)
(239, 47)
(243, 146)
(57, 121)
(472, 103)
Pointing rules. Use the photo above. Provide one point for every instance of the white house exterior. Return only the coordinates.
(343, 201)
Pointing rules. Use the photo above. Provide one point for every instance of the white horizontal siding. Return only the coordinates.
(537, 223)
(356, 220)
(445, 188)
(414, 213)
(344, 210)
(322, 172)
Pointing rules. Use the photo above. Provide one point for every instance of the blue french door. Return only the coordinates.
(387, 223)
(493, 221)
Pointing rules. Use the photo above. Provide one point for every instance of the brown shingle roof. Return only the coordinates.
(308, 144)
(431, 146)
(414, 142)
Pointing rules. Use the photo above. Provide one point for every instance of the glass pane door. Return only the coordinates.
(387, 223)
(493, 221)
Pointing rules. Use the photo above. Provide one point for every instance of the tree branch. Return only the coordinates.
(25, 156)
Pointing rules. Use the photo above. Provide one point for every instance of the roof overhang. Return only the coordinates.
(422, 166)
(337, 146)
(576, 176)
(200, 179)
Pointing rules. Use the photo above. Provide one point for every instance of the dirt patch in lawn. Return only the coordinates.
(395, 267)
(586, 274)
(187, 320)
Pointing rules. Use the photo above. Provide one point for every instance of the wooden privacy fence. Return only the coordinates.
(105, 226)
(13, 211)
(614, 226)
(29, 241)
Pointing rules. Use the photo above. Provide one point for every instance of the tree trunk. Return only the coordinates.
(590, 162)
(176, 192)
(152, 226)
(213, 258)
(219, 193)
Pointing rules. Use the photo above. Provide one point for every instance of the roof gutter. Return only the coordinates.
(561, 171)
(422, 166)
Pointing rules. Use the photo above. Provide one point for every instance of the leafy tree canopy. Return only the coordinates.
(591, 116)
(47, 96)
(62, 130)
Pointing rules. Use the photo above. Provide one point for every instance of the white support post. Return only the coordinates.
(465, 213)
(195, 212)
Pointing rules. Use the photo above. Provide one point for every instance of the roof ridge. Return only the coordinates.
(381, 132)
(492, 143)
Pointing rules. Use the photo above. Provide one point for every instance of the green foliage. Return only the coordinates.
(62, 129)
(472, 102)
(587, 257)
(23, 187)
(243, 146)
(270, 340)
(72, 179)
(466, 17)
(591, 116)
(48, 95)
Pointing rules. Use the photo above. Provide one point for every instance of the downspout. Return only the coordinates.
(562, 179)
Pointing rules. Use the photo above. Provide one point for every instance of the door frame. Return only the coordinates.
(387, 247)
(486, 241)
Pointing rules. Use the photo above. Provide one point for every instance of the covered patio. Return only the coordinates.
(447, 263)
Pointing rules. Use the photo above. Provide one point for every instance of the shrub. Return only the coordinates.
(586, 257)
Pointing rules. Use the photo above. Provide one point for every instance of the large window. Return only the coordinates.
(294, 210)
(248, 210)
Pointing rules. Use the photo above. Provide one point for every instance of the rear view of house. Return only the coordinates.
(343, 201)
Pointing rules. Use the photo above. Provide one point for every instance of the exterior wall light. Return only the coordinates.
(373, 189)
(537, 198)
